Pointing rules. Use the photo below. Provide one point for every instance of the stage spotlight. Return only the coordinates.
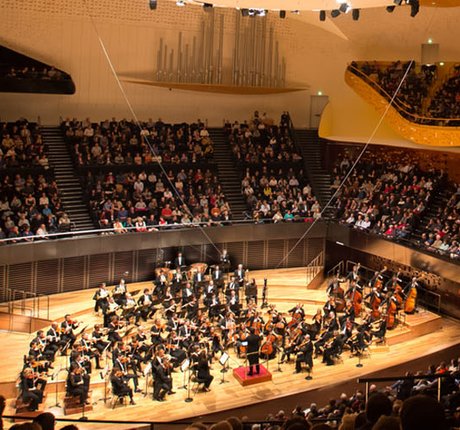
(244, 12)
(397, 2)
(343, 7)
(335, 13)
(414, 7)
(322, 15)
(390, 9)
(180, 3)
(355, 14)
(207, 6)
(153, 4)
(282, 14)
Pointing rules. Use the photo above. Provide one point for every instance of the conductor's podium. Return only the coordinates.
(241, 375)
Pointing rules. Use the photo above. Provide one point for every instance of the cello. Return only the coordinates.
(355, 297)
(375, 305)
(391, 313)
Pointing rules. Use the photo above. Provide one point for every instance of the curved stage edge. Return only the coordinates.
(421, 335)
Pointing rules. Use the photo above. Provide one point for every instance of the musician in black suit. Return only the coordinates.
(225, 260)
(240, 274)
(147, 309)
(179, 261)
(304, 354)
(67, 327)
(77, 384)
(203, 371)
(101, 298)
(251, 291)
(218, 277)
(120, 386)
(334, 350)
(253, 352)
(198, 278)
(162, 383)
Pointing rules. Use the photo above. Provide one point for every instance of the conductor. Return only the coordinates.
(253, 352)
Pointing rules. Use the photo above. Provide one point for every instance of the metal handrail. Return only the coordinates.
(337, 268)
(314, 267)
(369, 380)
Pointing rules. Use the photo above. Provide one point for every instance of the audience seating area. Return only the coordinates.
(414, 100)
(124, 143)
(30, 203)
(388, 194)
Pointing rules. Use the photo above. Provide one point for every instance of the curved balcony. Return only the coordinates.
(418, 129)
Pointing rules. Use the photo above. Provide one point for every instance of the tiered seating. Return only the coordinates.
(261, 142)
(446, 102)
(130, 191)
(30, 203)
(123, 143)
(387, 193)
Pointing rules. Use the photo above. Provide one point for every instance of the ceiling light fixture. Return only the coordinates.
(335, 13)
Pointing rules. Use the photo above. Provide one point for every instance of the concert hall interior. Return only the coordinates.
(233, 214)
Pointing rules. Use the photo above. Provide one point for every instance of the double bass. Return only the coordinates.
(392, 310)
(411, 299)
(356, 297)
(375, 305)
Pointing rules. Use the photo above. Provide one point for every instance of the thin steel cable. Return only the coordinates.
(138, 123)
(352, 168)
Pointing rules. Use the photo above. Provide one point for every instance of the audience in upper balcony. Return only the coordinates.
(124, 143)
(446, 102)
(30, 205)
(32, 72)
(259, 141)
(142, 202)
(388, 194)
(21, 145)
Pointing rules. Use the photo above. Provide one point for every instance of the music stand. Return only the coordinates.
(264, 295)
(54, 376)
(308, 377)
(359, 364)
(223, 362)
(105, 371)
(183, 368)
(278, 369)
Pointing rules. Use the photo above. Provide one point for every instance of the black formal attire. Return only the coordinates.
(120, 387)
(162, 383)
(77, 387)
(253, 352)
(179, 262)
(30, 393)
(203, 372)
(305, 355)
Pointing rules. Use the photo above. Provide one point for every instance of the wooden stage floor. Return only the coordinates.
(421, 335)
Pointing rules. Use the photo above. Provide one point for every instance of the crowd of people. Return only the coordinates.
(30, 205)
(32, 72)
(279, 195)
(413, 89)
(388, 194)
(148, 200)
(407, 404)
(125, 143)
(22, 146)
(446, 102)
(259, 141)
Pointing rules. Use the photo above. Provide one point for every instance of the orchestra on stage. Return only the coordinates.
(193, 314)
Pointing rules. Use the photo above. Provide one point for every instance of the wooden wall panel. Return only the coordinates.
(276, 253)
(123, 266)
(2, 284)
(236, 250)
(20, 276)
(146, 262)
(256, 253)
(99, 269)
(314, 247)
(296, 257)
(47, 277)
(73, 273)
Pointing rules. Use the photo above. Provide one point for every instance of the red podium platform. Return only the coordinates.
(240, 374)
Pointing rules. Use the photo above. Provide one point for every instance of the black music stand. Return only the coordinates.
(223, 360)
(264, 295)
(183, 368)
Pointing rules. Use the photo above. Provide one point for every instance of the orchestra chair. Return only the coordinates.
(118, 399)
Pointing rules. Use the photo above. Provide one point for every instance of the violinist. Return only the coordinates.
(255, 322)
(203, 370)
(80, 360)
(334, 349)
(98, 342)
(123, 362)
(185, 335)
(78, 385)
(156, 331)
(192, 308)
(162, 383)
(169, 308)
(101, 298)
(43, 346)
(67, 328)
(88, 349)
(381, 330)
(30, 393)
(37, 359)
(317, 324)
(290, 345)
(348, 313)
(178, 355)
(213, 304)
(360, 341)
(146, 306)
(119, 385)
(130, 310)
(110, 311)
(119, 293)
(114, 327)
(216, 342)
(304, 354)
(55, 343)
